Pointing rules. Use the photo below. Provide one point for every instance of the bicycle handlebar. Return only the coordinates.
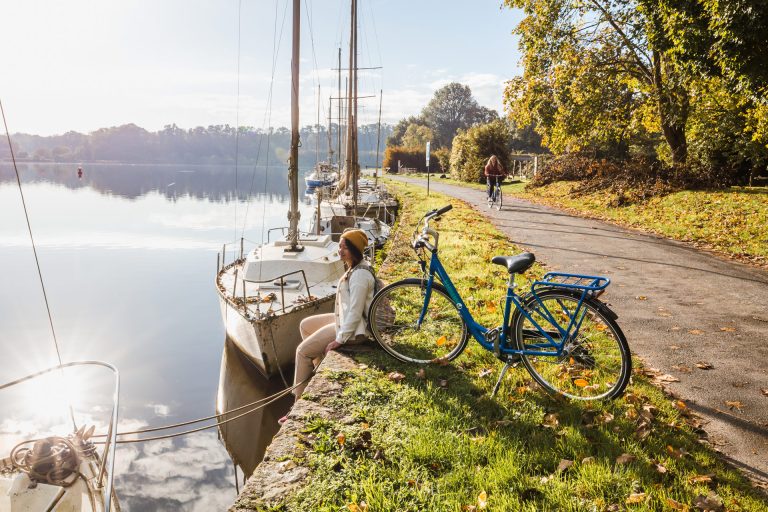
(422, 239)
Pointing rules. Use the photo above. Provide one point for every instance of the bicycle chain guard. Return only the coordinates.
(492, 336)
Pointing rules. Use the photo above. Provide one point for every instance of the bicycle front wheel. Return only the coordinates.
(594, 365)
(499, 198)
(414, 329)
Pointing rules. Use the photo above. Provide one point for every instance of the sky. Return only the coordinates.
(87, 64)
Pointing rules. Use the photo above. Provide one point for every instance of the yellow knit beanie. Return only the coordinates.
(356, 237)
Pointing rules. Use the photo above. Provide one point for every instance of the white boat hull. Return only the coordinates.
(281, 288)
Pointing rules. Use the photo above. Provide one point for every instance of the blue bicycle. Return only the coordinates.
(565, 337)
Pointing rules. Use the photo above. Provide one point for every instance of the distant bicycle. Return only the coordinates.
(565, 337)
(496, 199)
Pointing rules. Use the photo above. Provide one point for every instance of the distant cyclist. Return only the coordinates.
(494, 174)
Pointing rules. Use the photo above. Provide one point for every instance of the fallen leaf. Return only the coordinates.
(700, 479)
(660, 468)
(625, 458)
(710, 503)
(580, 383)
(605, 418)
(341, 439)
(674, 347)
(682, 368)
(764, 391)
(550, 420)
(441, 341)
(503, 423)
(395, 376)
(443, 383)
(680, 406)
(728, 329)
(676, 505)
(587, 460)
(677, 453)
(641, 297)
(441, 361)
(697, 332)
(421, 374)
(734, 404)
(491, 307)
(704, 366)
(485, 372)
(635, 497)
(564, 464)
(482, 500)
(667, 378)
(643, 430)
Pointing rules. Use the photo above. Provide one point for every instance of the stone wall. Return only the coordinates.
(278, 476)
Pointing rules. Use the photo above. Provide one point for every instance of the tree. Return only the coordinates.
(453, 108)
(417, 136)
(605, 65)
(396, 137)
(472, 148)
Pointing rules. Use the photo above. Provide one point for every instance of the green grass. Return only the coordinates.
(731, 221)
(436, 440)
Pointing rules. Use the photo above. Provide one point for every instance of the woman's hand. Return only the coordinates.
(332, 346)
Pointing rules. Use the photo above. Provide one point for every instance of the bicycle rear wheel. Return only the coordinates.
(595, 365)
(413, 333)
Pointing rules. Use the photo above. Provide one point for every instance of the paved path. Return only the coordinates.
(677, 306)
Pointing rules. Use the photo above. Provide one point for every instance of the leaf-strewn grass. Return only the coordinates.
(435, 440)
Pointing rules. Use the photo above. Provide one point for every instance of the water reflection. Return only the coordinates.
(240, 383)
(129, 267)
(209, 182)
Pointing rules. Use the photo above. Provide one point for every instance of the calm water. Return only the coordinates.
(128, 254)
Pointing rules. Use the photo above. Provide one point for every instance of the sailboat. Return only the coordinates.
(324, 174)
(64, 470)
(266, 293)
(358, 203)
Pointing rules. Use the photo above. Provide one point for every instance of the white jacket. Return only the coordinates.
(353, 298)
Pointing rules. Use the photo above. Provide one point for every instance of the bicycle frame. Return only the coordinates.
(484, 336)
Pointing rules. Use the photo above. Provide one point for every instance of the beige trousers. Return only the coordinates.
(317, 332)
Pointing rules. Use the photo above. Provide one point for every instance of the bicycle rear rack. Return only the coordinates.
(588, 285)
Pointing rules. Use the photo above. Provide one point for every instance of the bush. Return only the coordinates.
(472, 148)
(415, 158)
(630, 180)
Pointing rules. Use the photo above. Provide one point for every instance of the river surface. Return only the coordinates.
(128, 256)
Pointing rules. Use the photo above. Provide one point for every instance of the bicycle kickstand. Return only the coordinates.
(512, 361)
(507, 366)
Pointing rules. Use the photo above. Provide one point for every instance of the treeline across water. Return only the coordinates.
(220, 144)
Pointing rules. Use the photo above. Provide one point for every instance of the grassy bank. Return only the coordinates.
(416, 440)
(731, 221)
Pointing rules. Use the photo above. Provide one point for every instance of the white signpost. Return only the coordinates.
(428, 168)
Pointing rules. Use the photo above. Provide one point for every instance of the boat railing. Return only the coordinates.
(282, 279)
(107, 464)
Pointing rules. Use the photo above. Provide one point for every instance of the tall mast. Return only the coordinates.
(317, 127)
(352, 165)
(330, 139)
(378, 141)
(293, 161)
(338, 126)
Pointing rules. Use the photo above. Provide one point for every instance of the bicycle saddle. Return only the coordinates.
(515, 264)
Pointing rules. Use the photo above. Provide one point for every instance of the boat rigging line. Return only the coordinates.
(34, 251)
(32, 238)
(237, 105)
(257, 405)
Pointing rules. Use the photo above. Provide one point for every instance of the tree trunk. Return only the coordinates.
(673, 110)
